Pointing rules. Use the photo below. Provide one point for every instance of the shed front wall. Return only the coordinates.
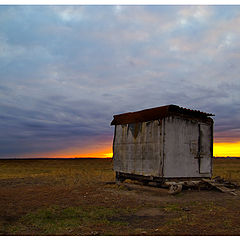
(138, 148)
(173, 147)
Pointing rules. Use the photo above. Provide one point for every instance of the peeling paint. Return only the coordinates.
(170, 147)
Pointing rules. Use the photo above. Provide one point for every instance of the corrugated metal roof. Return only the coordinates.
(156, 113)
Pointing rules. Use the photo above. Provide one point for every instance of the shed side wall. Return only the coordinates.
(187, 143)
(138, 148)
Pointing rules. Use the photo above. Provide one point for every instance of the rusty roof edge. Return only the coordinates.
(144, 110)
(117, 119)
(170, 108)
(190, 110)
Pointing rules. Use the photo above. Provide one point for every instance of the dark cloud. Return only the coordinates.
(65, 70)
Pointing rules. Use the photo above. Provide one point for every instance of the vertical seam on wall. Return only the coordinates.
(163, 145)
(199, 147)
(211, 146)
(114, 140)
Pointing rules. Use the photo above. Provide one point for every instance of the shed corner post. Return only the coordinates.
(115, 127)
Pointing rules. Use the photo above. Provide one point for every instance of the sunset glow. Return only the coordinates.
(91, 151)
(108, 155)
(226, 149)
(66, 70)
(95, 150)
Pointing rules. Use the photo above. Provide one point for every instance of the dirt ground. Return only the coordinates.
(43, 205)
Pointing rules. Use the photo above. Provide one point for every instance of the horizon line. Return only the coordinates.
(41, 158)
(64, 158)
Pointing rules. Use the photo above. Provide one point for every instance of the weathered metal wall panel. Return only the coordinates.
(171, 148)
(138, 148)
(182, 152)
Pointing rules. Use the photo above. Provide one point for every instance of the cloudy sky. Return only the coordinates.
(66, 70)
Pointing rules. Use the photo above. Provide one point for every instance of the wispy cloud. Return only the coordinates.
(65, 70)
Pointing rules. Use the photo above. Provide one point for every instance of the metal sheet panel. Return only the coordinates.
(157, 113)
(138, 148)
(173, 147)
(181, 148)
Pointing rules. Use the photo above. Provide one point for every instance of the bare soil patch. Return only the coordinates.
(72, 198)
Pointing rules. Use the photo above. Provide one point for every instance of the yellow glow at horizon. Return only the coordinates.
(226, 149)
(83, 155)
(108, 155)
(223, 149)
(90, 152)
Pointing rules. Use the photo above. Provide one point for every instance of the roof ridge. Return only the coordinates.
(155, 113)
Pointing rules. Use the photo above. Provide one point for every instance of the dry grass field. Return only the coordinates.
(72, 197)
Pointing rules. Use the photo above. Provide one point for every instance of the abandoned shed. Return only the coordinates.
(158, 144)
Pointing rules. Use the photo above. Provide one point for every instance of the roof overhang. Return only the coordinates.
(157, 113)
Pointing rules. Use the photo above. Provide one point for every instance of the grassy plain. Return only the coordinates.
(71, 197)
